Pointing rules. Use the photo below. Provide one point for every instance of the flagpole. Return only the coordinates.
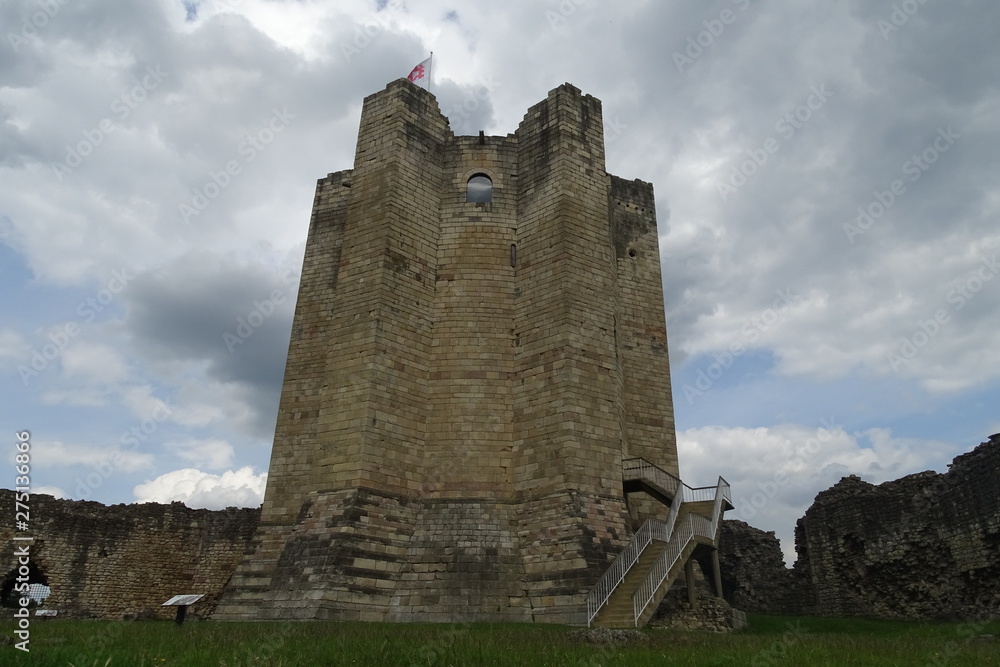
(430, 69)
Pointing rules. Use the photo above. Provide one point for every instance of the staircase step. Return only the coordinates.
(643, 475)
(665, 586)
(618, 610)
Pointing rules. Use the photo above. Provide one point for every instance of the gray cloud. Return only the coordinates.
(688, 129)
(184, 312)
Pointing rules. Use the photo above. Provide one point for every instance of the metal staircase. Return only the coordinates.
(629, 592)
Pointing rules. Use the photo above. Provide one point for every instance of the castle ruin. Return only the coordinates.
(476, 424)
(476, 416)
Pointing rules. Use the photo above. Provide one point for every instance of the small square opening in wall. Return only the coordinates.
(479, 189)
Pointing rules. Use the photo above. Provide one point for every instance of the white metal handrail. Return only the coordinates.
(644, 594)
(675, 509)
(723, 494)
(692, 525)
(701, 525)
(701, 494)
(639, 467)
(599, 595)
(659, 530)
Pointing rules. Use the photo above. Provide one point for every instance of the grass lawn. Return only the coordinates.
(770, 640)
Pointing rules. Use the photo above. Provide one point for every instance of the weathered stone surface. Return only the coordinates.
(464, 378)
(709, 613)
(463, 382)
(926, 546)
(754, 576)
(126, 560)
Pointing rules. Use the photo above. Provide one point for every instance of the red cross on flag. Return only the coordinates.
(421, 74)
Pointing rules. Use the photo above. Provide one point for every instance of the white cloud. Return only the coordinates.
(53, 453)
(202, 402)
(12, 346)
(53, 491)
(140, 400)
(95, 363)
(238, 488)
(89, 396)
(775, 472)
(212, 453)
(90, 372)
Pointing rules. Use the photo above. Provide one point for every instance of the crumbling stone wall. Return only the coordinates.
(926, 546)
(126, 560)
(754, 576)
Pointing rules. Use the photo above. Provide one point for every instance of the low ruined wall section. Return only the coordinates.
(125, 560)
(926, 546)
(923, 547)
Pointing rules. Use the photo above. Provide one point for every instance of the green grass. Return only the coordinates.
(770, 640)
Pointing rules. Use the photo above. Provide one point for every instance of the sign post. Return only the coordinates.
(182, 602)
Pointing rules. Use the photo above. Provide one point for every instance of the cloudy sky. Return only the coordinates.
(827, 195)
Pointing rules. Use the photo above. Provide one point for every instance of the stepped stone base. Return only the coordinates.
(356, 554)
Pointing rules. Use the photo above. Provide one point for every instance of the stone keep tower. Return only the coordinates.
(464, 379)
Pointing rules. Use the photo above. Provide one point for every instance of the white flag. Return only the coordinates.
(421, 74)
